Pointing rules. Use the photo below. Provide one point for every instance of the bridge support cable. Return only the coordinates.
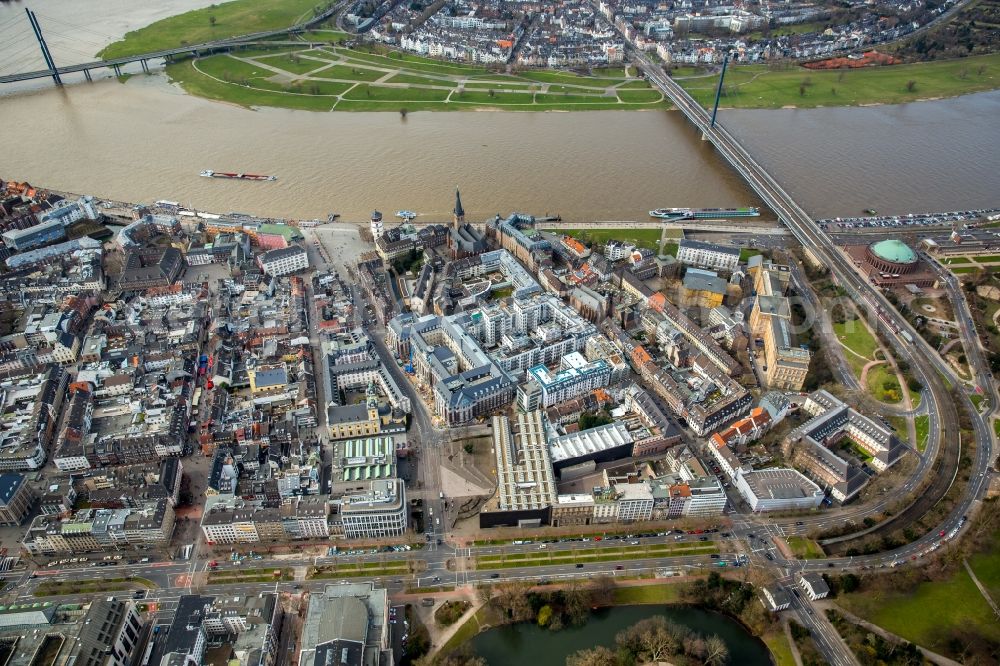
(718, 91)
(45, 48)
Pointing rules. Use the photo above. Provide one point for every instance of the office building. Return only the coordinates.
(109, 635)
(371, 510)
(576, 377)
(347, 625)
(777, 489)
(36, 236)
(284, 261)
(526, 487)
(708, 255)
(17, 499)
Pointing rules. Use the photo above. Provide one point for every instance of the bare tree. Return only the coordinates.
(512, 598)
(604, 591)
(716, 651)
(599, 656)
(577, 603)
(658, 639)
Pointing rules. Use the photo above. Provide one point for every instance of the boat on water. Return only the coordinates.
(208, 173)
(702, 213)
(406, 214)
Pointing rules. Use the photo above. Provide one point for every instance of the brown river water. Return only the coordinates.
(147, 140)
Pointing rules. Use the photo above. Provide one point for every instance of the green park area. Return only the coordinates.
(883, 384)
(935, 614)
(336, 78)
(858, 341)
(804, 549)
(360, 569)
(922, 426)
(645, 237)
(55, 588)
(547, 557)
(221, 21)
(231, 576)
(770, 87)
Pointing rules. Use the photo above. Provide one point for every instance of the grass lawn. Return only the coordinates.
(856, 337)
(348, 73)
(230, 576)
(417, 65)
(900, 426)
(884, 385)
(956, 260)
(922, 425)
(500, 85)
(781, 649)
(239, 17)
(963, 270)
(987, 258)
(923, 614)
(486, 616)
(757, 86)
(421, 80)
(642, 237)
(566, 98)
(987, 568)
(546, 558)
(321, 34)
(639, 95)
(295, 63)
(55, 588)
(746, 253)
(230, 69)
(647, 594)
(497, 98)
(377, 93)
(197, 83)
(333, 572)
(996, 427)
(633, 85)
(547, 76)
(804, 549)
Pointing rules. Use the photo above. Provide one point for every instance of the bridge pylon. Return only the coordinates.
(46, 54)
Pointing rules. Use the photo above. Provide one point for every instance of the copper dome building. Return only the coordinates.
(891, 256)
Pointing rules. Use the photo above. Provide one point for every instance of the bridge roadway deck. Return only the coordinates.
(195, 49)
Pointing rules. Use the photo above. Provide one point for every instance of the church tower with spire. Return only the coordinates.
(458, 215)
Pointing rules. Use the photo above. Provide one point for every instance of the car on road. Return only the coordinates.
(579, 566)
(715, 556)
(496, 575)
(618, 567)
(769, 556)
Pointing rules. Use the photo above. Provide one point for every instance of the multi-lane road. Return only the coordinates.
(907, 343)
